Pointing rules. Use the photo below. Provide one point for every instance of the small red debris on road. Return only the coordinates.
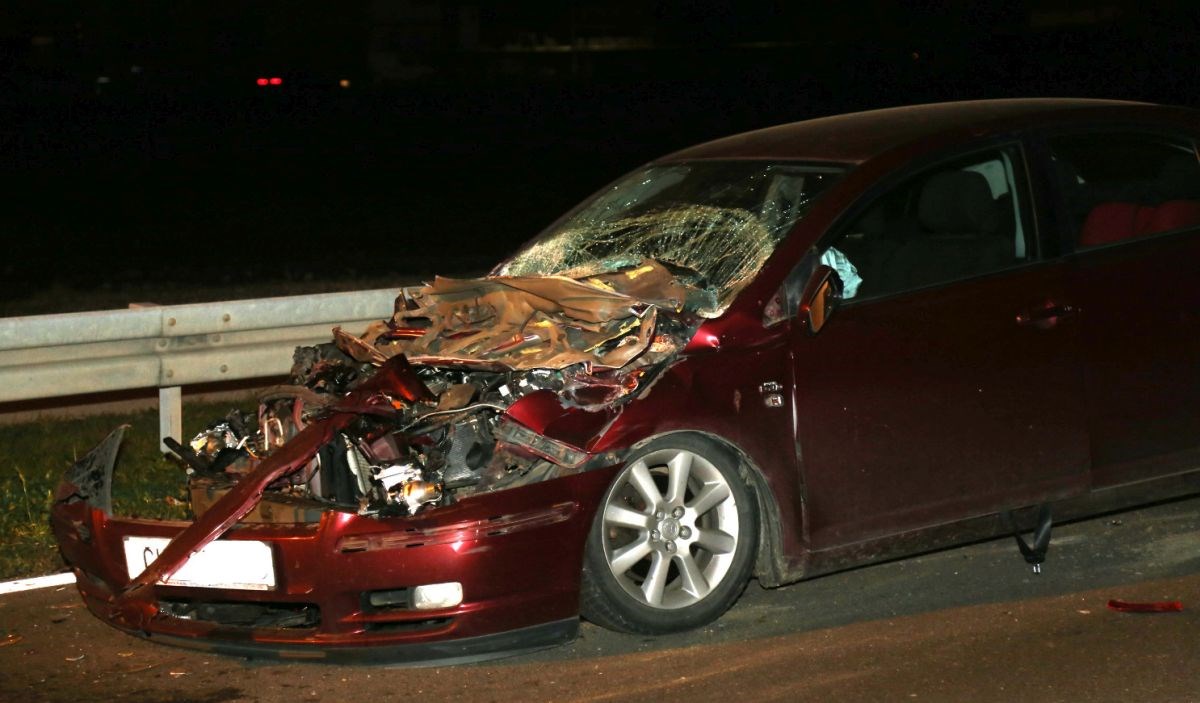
(1165, 606)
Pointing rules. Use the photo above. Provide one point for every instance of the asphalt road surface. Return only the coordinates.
(967, 624)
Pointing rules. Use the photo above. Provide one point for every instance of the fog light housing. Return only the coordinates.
(435, 596)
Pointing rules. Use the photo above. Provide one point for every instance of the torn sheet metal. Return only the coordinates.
(90, 479)
(361, 429)
(601, 321)
(379, 395)
(135, 602)
(364, 430)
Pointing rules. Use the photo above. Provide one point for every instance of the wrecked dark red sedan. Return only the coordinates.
(774, 355)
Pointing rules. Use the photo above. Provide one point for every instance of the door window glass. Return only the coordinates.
(957, 220)
(1124, 186)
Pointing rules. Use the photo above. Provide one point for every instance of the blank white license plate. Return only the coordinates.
(240, 564)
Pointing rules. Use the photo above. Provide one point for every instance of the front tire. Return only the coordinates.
(673, 541)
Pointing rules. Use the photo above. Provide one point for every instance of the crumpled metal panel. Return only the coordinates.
(134, 603)
(602, 321)
(90, 478)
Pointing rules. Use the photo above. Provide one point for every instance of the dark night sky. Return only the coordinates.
(145, 152)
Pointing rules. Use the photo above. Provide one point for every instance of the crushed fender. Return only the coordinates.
(90, 478)
(479, 372)
(458, 394)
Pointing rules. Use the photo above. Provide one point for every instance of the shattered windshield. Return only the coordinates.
(713, 221)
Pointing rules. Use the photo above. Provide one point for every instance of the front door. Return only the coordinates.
(947, 385)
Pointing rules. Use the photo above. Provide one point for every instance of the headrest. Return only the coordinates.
(1173, 215)
(1113, 222)
(958, 202)
(1110, 222)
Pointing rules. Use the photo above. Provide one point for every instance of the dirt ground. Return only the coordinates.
(964, 624)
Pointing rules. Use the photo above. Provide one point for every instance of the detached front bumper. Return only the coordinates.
(517, 554)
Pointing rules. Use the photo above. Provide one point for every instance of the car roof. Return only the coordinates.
(858, 136)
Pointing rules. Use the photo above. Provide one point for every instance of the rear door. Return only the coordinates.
(1129, 201)
(947, 384)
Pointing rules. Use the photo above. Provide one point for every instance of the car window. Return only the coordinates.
(956, 220)
(1119, 186)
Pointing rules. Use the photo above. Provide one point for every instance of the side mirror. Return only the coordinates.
(820, 297)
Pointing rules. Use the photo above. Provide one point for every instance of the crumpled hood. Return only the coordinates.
(603, 321)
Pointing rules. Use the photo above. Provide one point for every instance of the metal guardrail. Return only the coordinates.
(167, 347)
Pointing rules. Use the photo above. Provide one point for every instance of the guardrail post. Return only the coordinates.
(170, 415)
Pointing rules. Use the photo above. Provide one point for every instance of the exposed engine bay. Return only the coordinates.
(476, 349)
(579, 321)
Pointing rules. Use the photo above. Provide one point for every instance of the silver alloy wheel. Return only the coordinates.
(670, 528)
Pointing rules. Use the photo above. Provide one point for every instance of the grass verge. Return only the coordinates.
(33, 457)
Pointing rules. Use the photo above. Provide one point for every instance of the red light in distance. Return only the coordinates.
(276, 81)
(260, 81)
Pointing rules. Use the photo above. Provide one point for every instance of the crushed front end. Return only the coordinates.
(423, 489)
